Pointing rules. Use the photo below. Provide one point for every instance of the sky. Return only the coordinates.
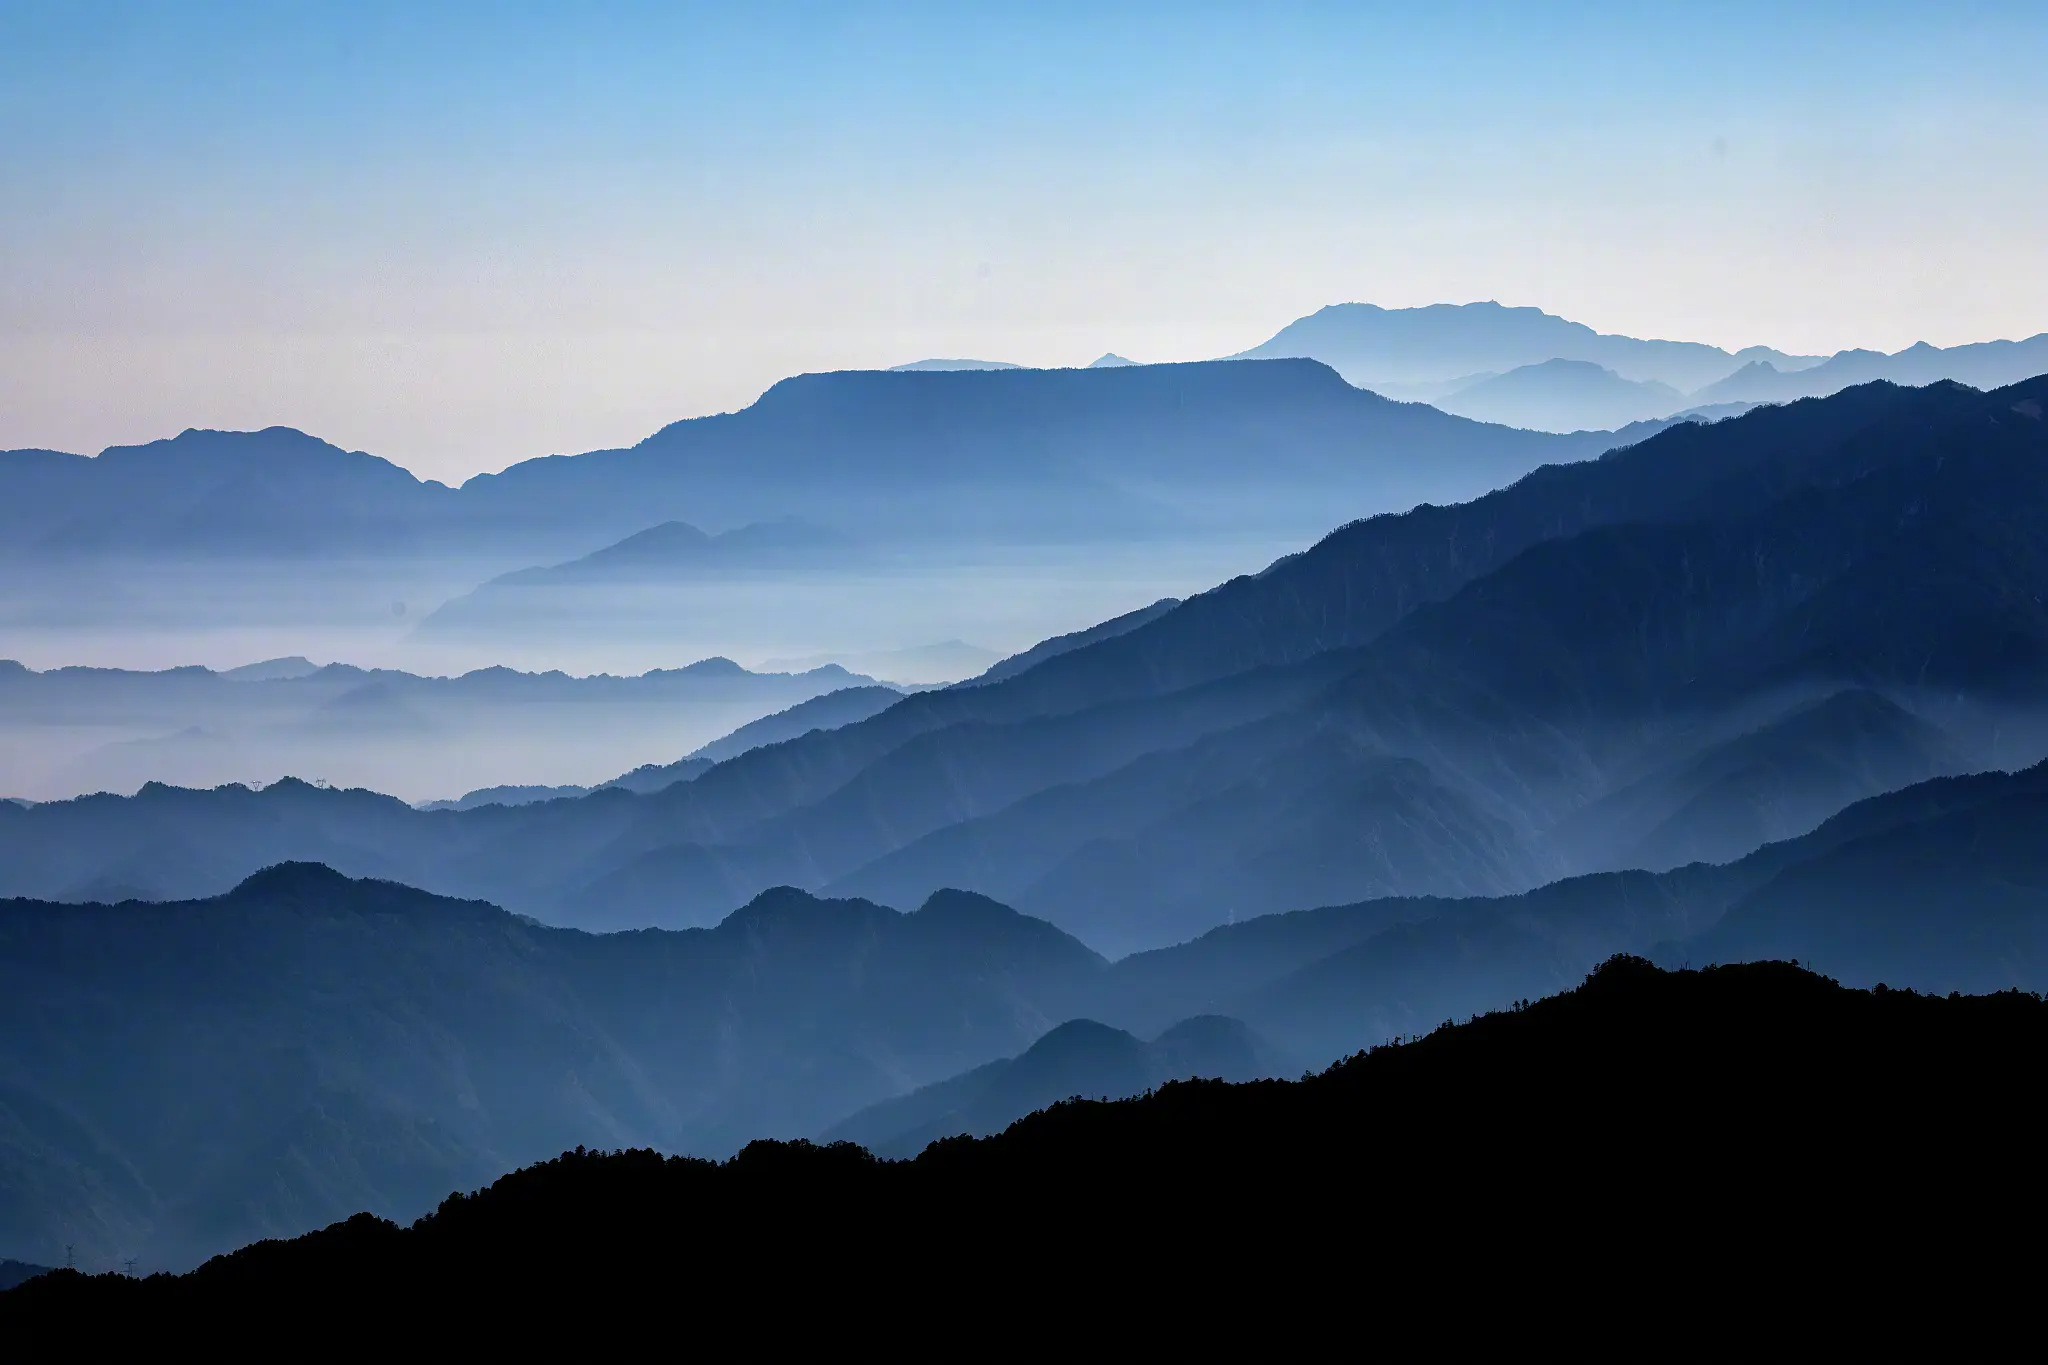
(463, 235)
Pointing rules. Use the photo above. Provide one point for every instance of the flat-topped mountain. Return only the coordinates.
(1069, 454)
(1037, 455)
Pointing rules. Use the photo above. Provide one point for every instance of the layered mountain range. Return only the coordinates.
(1527, 368)
(72, 730)
(848, 515)
(905, 457)
(858, 516)
(1774, 686)
(827, 711)
(672, 554)
(1593, 667)
(912, 456)
(184, 1077)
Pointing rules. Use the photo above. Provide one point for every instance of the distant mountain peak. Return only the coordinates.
(1109, 360)
(273, 670)
(781, 906)
(290, 878)
(664, 536)
(1079, 1033)
(1563, 395)
(1401, 348)
(717, 666)
(948, 898)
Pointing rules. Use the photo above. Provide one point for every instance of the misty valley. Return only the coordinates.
(1270, 797)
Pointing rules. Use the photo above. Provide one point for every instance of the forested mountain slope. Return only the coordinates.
(1795, 1123)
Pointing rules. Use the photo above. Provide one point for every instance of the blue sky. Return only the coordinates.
(461, 235)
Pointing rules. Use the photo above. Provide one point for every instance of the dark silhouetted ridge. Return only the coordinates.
(1818, 1163)
(13, 1273)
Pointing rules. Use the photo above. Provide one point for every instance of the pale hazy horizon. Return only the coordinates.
(461, 237)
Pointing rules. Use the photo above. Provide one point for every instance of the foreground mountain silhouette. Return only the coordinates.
(307, 1045)
(1756, 1138)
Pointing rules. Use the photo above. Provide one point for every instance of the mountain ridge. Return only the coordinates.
(1487, 687)
(842, 1003)
(1859, 1090)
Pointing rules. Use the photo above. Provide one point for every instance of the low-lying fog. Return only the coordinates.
(384, 615)
(906, 622)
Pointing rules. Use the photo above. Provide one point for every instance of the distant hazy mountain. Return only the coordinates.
(1035, 455)
(673, 554)
(1089, 485)
(1498, 364)
(507, 796)
(1016, 455)
(1032, 455)
(276, 493)
(1984, 365)
(1707, 413)
(676, 548)
(948, 365)
(826, 712)
(272, 670)
(941, 662)
(1109, 360)
(1079, 1059)
(85, 729)
(1563, 395)
(1442, 342)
